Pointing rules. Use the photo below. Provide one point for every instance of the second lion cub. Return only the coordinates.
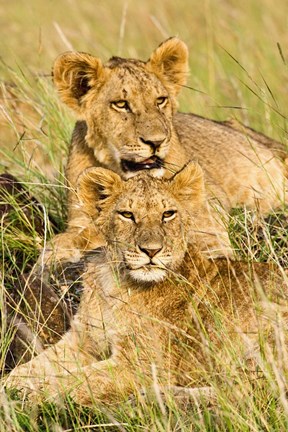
(128, 122)
(152, 304)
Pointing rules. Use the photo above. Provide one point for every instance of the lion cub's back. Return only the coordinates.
(242, 291)
(238, 168)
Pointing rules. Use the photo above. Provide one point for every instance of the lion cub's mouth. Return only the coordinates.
(150, 163)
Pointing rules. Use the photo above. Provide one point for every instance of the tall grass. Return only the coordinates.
(238, 64)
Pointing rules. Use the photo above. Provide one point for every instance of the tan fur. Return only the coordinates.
(154, 309)
(241, 167)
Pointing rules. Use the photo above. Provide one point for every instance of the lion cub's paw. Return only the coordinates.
(60, 250)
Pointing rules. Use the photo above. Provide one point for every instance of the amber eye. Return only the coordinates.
(127, 215)
(161, 101)
(120, 105)
(168, 215)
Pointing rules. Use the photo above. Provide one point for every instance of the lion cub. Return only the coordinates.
(128, 122)
(153, 307)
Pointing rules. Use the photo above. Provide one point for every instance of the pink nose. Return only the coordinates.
(150, 252)
(153, 143)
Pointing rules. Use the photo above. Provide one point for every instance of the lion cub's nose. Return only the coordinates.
(153, 143)
(150, 252)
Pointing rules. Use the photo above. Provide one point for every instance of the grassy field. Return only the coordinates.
(238, 69)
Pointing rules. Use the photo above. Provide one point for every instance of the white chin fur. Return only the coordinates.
(155, 172)
(158, 173)
(145, 275)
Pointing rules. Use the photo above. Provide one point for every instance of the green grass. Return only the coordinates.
(238, 65)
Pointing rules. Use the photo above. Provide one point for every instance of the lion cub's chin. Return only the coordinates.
(154, 172)
(148, 274)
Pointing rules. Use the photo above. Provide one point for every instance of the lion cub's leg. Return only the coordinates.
(66, 369)
(48, 370)
(110, 381)
(70, 245)
(105, 381)
(81, 234)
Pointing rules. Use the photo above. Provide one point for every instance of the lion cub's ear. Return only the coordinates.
(74, 73)
(96, 185)
(188, 185)
(170, 63)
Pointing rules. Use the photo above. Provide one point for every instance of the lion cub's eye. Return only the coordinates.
(168, 215)
(161, 101)
(127, 215)
(120, 105)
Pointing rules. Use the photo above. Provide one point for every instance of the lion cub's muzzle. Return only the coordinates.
(147, 265)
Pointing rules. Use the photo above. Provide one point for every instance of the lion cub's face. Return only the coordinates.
(145, 220)
(127, 104)
(135, 113)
